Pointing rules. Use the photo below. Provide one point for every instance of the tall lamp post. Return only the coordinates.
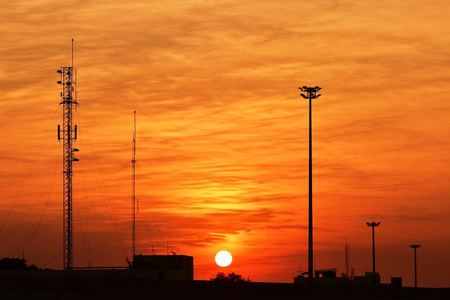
(415, 263)
(373, 225)
(311, 93)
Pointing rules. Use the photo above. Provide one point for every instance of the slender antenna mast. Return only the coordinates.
(133, 161)
(347, 261)
(69, 135)
(72, 54)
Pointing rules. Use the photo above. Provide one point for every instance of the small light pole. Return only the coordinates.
(311, 93)
(415, 263)
(373, 225)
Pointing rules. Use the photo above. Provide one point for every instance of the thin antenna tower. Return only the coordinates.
(347, 258)
(133, 161)
(352, 275)
(69, 135)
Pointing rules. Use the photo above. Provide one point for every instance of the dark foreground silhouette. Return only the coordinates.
(36, 285)
(16, 264)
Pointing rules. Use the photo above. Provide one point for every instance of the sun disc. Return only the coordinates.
(223, 258)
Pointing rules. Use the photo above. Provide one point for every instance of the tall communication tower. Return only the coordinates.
(68, 134)
(347, 258)
(133, 162)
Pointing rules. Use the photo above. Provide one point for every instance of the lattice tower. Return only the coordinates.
(69, 135)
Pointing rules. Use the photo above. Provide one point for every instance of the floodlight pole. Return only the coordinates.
(311, 93)
(373, 225)
(415, 263)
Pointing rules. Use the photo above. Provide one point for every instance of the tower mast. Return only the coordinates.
(347, 258)
(69, 135)
(133, 161)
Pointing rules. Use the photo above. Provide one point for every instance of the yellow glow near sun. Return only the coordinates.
(223, 258)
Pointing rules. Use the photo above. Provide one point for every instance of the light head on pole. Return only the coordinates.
(311, 92)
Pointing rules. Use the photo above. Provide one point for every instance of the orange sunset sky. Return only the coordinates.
(222, 139)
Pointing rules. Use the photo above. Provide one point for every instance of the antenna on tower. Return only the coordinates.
(133, 161)
(69, 135)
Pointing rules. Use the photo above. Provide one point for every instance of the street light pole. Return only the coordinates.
(311, 93)
(415, 263)
(373, 225)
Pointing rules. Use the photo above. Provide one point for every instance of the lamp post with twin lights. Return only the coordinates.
(373, 225)
(311, 93)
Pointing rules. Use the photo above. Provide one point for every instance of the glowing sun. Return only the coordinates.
(223, 258)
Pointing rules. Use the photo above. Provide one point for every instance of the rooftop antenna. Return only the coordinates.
(133, 161)
(69, 135)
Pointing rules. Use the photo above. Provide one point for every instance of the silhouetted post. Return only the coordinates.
(133, 222)
(311, 93)
(415, 263)
(373, 225)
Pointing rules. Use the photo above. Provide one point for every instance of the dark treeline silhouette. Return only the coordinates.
(16, 264)
(231, 278)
